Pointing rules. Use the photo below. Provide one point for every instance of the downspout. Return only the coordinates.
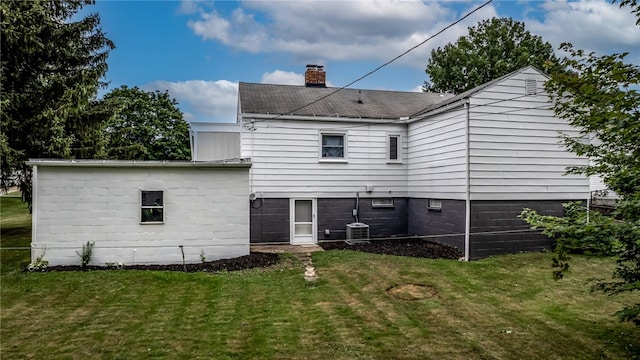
(467, 216)
(34, 211)
(357, 209)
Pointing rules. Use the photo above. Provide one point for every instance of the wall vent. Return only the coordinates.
(530, 87)
(357, 233)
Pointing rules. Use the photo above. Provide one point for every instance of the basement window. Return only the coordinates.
(152, 206)
(434, 205)
(382, 202)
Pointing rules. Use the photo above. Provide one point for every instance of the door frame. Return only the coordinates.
(314, 220)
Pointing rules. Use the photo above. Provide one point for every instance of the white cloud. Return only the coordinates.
(202, 100)
(416, 89)
(283, 78)
(337, 30)
(211, 26)
(592, 25)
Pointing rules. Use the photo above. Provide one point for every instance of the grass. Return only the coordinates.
(505, 307)
(15, 231)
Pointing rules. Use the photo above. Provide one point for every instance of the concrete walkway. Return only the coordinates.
(302, 252)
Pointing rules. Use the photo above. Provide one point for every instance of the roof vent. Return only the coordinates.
(315, 76)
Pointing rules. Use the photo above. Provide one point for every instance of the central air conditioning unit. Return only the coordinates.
(357, 233)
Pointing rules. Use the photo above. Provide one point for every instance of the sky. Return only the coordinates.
(198, 51)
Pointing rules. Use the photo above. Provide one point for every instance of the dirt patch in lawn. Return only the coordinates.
(253, 260)
(407, 247)
(412, 292)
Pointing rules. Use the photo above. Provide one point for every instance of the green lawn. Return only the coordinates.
(505, 307)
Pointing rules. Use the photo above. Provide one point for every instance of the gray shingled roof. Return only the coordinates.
(376, 104)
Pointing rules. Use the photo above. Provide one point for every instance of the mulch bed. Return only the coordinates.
(254, 260)
(411, 248)
(407, 247)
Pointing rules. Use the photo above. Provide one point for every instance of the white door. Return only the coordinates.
(303, 221)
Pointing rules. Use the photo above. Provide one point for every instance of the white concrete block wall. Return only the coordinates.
(205, 209)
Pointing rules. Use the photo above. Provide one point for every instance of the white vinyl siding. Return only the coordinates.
(285, 160)
(514, 145)
(437, 156)
(217, 146)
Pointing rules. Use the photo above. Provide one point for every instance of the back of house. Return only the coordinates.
(347, 164)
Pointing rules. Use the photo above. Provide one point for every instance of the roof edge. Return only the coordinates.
(230, 163)
(477, 89)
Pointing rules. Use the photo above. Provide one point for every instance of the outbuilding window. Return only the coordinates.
(152, 206)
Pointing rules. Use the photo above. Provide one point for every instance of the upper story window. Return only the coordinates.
(152, 205)
(333, 146)
(394, 148)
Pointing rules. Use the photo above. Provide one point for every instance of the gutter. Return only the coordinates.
(439, 110)
(336, 118)
(230, 163)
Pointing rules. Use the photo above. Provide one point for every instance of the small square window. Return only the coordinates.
(394, 148)
(434, 205)
(152, 206)
(333, 146)
(381, 202)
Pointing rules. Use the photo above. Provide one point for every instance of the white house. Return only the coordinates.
(140, 212)
(337, 163)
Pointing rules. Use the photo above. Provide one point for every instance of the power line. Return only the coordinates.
(471, 107)
(387, 63)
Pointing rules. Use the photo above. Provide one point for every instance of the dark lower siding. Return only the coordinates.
(490, 216)
(269, 220)
(335, 214)
(449, 220)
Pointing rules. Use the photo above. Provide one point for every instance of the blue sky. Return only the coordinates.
(200, 50)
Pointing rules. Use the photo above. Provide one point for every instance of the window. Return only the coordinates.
(381, 202)
(394, 148)
(333, 146)
(152, 207)
(434, 205)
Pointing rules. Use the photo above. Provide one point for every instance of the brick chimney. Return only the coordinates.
(315, 76)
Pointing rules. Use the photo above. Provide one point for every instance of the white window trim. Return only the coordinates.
(382, 205)
(164, 203)
(434, 205)
(400, 154)
(345, 142)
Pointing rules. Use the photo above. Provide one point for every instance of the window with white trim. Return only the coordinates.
(333, 146)
(152, 206)
(381, 202)
(434, 205)
(394, 148)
